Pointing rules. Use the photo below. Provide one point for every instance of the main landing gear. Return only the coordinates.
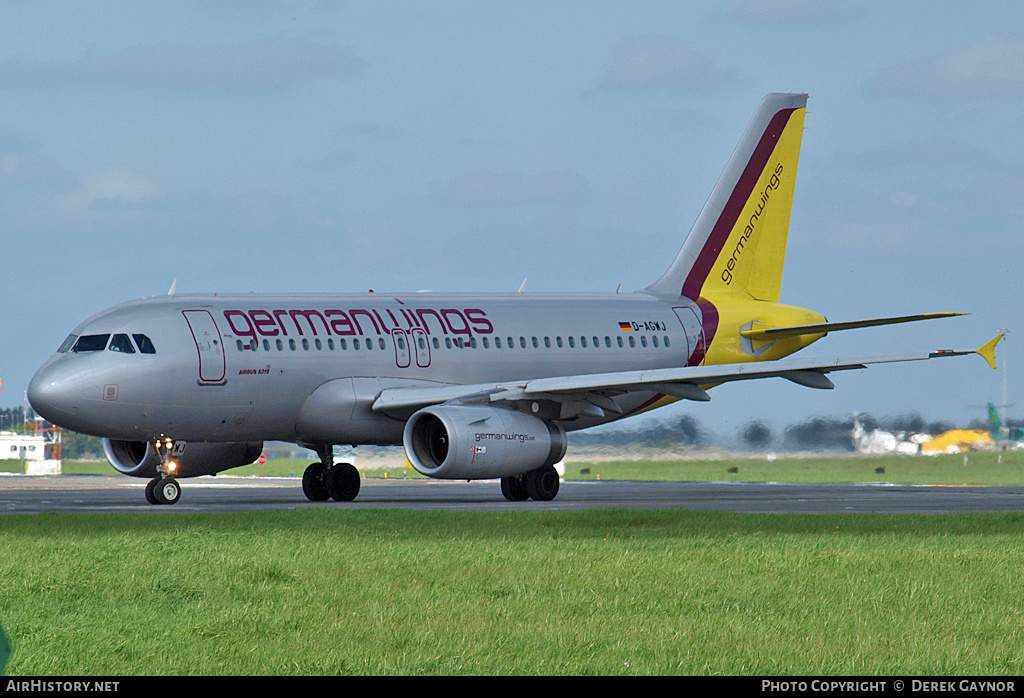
(540, 485)
(328, 480)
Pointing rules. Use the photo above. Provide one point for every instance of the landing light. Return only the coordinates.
(172, 466)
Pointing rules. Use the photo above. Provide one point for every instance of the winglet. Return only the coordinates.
(988, 351)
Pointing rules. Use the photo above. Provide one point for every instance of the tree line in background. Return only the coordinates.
(816, 434)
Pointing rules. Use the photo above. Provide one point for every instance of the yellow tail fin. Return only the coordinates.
(738, 244)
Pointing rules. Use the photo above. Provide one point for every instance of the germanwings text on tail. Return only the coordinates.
(473, 386)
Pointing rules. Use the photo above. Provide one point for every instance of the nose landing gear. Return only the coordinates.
(165, 489)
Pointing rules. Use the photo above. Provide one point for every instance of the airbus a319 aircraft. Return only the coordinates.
(473, 386)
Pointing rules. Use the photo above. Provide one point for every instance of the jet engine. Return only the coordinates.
(140, 458)
(470, 442)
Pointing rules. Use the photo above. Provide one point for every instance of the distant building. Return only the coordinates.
(34, 449)
(14, 446)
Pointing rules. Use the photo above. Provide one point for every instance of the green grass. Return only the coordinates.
(333, 591)
(977, 468)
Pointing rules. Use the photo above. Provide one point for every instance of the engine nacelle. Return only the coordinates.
(469, 442)
(140, 459)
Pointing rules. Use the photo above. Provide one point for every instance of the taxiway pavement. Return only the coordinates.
(96, 494)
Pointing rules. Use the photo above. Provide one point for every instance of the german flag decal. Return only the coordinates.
(626, 326)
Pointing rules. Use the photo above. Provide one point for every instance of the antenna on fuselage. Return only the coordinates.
(522, 286)
(174, 288)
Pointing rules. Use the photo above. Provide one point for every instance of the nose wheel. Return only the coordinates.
(163, 491)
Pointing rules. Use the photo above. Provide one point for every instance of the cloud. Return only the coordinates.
(989, 68)
(28, 169)
(261, 66)
(111, 197)
(510, 189)
(661, 62)
(796, 13)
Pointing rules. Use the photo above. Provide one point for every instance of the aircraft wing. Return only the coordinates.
(686, 382)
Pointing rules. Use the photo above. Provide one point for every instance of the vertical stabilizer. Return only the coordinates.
(738, 244)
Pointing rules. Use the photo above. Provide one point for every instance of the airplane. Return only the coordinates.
(473, 386)
(1002, 432)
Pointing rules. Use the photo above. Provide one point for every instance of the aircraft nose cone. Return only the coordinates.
(55, 393)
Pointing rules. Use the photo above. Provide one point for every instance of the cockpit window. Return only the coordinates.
(145, 344)
(121, 343)
(68, 343)
(91, 342)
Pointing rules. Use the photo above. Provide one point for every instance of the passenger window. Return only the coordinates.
(145, 345)
(122, 344)
(91, 342)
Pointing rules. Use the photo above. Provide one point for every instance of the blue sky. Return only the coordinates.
(464, 146)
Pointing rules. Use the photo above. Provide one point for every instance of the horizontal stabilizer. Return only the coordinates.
(825, 327)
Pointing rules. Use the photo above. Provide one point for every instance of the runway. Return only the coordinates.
(99, 494)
